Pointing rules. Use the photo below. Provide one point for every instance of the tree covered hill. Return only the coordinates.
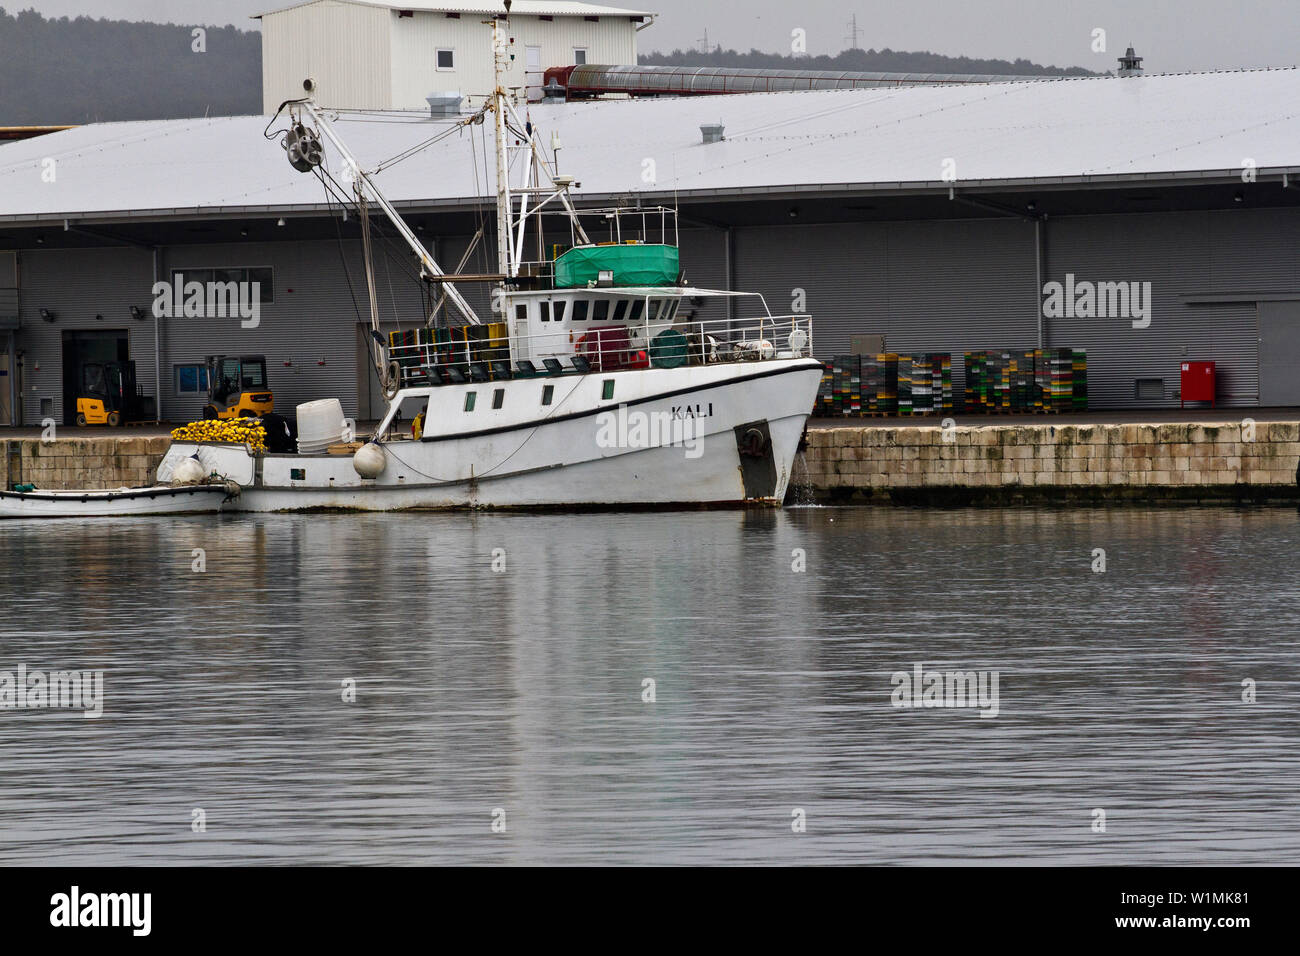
(62, 71)
(857, 60)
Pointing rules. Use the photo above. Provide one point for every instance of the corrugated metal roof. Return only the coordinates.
(1063, 130)
(531, 8)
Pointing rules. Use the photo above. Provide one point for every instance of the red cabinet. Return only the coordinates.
(1197, 383)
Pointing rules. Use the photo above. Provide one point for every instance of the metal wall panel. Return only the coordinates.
(927, 286)
(1279, 343)
(76, 286)
(344, 47)
(308, 334)
(944, 286)
(1183, 256)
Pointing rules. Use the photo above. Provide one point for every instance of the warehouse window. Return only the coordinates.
(262, 275)
(191, 379)
(579, 55)
(446, 59)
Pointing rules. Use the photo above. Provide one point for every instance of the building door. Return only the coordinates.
(82, 346)
(7, 381)
(533, 73)
(1279, 353)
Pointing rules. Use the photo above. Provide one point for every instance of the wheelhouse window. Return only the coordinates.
(620, 309)
(637, 311)
(600, 312)
(559, 311)
(546, 311)
(607, 392)
(470, 399)
(446, 59)
(548, 393)
(580, 308)
(498, 397)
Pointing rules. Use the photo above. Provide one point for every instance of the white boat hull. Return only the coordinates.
(104, 503)
(738, 432)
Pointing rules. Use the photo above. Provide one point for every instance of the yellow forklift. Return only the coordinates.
(238, 387)
(108, 395)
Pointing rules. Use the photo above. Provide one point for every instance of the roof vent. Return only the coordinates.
(713, 132)
(1130, 64)
(442, 105)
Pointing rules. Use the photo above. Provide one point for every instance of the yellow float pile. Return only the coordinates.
(237, 431)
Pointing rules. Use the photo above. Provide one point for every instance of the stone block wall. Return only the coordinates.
(109, 462)
(910, 462)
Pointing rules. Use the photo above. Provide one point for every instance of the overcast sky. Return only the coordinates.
(1171, 34)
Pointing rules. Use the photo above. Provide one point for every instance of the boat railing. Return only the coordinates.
(603, 347)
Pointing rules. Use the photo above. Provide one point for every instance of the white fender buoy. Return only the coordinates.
(189, 472)
(369, 461)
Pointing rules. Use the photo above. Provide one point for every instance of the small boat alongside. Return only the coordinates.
(119, 502)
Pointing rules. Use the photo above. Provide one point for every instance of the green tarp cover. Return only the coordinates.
(632, 265)
(668, 349)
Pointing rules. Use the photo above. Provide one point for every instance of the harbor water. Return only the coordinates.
(685, 688)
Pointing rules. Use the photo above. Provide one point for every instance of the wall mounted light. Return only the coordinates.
(137, 313)
(244, 233)
(47, 315)
(98, 317)
(280, 221)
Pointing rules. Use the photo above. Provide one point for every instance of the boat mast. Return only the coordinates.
(500, 53)
(365, 188)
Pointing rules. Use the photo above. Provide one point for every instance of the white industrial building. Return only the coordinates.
(933, 216)
(380, 55)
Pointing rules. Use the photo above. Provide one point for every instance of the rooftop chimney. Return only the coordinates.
(1129, 64)
(713, 132)
(442, 105)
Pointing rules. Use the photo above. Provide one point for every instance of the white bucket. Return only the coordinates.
(320, 424)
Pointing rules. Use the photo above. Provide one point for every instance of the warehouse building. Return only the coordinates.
(375, 55)
(1004, 215)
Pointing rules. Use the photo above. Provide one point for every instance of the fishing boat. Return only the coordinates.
(591, 385)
